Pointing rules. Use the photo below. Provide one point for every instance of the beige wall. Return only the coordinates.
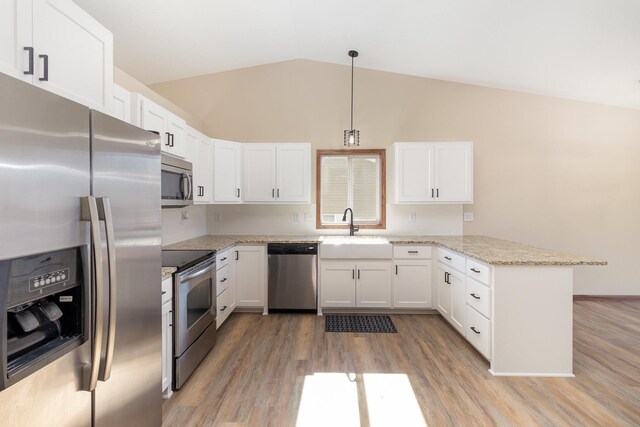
(548, 172)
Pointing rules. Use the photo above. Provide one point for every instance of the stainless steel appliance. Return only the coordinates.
(177, 182)
(194, 309)
(80, 194)
(293, 276)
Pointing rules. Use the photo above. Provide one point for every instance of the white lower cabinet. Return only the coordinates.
(451, 289)
(250, 262)
(444, 292)
(479, 331)
(225, 286)
(412, 277)
(167, 337)
(355, 284)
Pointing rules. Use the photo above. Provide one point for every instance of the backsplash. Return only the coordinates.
(300, 220)
(176, 229)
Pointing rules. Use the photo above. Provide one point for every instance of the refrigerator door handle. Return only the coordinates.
(89, 212)
(104, 209)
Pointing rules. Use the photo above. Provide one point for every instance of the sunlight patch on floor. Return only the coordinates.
(331, 399)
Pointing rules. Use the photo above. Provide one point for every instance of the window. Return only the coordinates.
(350, 179)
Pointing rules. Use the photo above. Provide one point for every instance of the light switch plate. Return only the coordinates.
(307, 216)
(217, 217)
(296, 217)
(412, 217)
(468, 216)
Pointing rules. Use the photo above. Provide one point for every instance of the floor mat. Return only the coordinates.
(366, 324)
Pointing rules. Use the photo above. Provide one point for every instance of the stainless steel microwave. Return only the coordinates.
(177, 182)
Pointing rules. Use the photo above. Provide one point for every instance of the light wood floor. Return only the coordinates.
(256, 373)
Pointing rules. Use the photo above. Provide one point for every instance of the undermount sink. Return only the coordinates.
(355, 247)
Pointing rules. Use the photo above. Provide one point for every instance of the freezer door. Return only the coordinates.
(126, 179)
(44, 173)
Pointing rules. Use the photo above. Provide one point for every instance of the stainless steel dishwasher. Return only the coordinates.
(293, 276)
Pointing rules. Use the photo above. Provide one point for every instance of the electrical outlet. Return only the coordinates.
(185, 215)
(307, 216)
(468, 216)
(217, 217)
(296, 217)
(412, 217)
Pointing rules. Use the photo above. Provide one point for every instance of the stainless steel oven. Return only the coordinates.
(194, 317)
(177, 182)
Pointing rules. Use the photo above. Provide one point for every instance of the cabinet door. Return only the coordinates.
(454, 172)
(293, 172)
(227, 171)
(338, 284)
(259, 172)
(200, 153)
(250, 276)
(222, 308)
(373, 284)
(177, 127)
(121, 104)
(458, 300)
(167, 344)
(412, 284)
(151, 116)
(15, 35)
(444, 292)
(414, 172)
(79, 53)
(231, 289)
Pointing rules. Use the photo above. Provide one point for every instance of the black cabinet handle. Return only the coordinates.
(475, 296)
(446, 277)
(172, 139)
(278, 193)
(45, 63)
(168, 144)
(30, 50)
(396, 269)
(358, 274)
(224, 279)
(475, 271)
(273, 193)
(238, 190)
(413, 252)
(475, 330)
(164, 292)
(353, 274)
(447, 258)
(223, 259)
(223, 308)
(432, 192)
(437, 192)
(237, 256)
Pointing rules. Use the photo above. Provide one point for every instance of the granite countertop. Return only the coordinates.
(485, 249)
(167, 272)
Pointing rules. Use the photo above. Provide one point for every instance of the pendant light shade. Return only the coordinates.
(352, 136)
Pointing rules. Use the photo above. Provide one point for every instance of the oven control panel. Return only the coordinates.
(57, 277)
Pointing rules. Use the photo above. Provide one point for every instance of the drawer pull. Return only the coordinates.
(475, 271)
(225, 307)
(224, 279)
(223, 259)
(473, 328)
(413, 252)
(396, 269)
(447, 258)
(475, 296)
(164, 292)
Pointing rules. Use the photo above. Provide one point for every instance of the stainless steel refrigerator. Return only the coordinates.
(76, 184)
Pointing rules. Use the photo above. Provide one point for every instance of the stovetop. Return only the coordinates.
(184, 259)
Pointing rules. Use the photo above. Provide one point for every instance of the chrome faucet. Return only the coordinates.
(352, 229)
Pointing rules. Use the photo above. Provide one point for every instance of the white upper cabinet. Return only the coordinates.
(227, 158)
(439, 172)
(199, 150)
(121, 104)
(277, 173)
(171, 128)
(56, 45)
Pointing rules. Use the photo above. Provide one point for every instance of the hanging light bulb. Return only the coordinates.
(352, 136)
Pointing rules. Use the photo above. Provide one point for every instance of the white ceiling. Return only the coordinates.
(580, 49)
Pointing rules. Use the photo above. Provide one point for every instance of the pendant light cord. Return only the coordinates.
(352, 93)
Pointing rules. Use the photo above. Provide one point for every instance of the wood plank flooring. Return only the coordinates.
(256, 374)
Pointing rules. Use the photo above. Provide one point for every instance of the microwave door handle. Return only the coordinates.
(89, 212)
(190, 184)
(184, 183)
(104, 209)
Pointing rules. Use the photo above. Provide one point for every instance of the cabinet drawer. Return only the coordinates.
(167, 289)
(411, 252)
(451, 259)
(222, 308)
(222, 258)
(479, 331)
(479, 272)
(222, 279)
(479, 297)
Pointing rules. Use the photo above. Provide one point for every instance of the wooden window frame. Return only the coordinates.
(383, 186)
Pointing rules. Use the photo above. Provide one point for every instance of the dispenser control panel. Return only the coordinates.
(57, 277)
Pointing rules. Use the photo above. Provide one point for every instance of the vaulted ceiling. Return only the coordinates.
(587, 50)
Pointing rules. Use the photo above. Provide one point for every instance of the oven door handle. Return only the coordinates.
(198, 273)
(89, 212)
(104, 210)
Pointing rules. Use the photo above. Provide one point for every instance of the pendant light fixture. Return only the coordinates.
(352, 136)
